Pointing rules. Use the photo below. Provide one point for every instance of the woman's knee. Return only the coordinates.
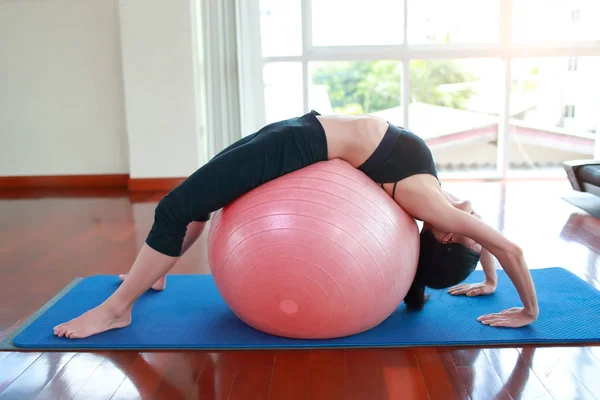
(169, 227)
(170, 210)
(180, 208)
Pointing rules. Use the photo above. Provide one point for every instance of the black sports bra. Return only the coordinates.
(400, 154)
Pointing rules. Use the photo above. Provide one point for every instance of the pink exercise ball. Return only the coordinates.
(322, 252)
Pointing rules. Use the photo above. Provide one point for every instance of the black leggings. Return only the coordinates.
(275, 150)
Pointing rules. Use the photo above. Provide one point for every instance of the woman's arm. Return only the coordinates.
(488, 286)
(423, 199)
(488, 263)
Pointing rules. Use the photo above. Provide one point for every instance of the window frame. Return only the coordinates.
(505, 50)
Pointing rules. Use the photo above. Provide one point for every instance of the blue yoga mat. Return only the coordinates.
(190, 314)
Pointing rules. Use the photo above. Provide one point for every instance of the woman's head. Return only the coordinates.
(445, 259)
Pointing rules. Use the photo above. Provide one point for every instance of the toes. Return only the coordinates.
(60, 330)
(68, 332)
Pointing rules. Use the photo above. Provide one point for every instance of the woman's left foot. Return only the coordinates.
(160, 284)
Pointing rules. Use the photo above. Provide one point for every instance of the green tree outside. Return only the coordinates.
(357, 87)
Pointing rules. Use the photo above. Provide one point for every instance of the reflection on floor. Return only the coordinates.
(47, 238)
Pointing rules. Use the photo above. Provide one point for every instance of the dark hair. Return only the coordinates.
(441, 265)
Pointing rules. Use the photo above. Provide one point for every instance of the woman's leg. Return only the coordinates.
(217, 183)
(148, 270)
(115, 312)
(194, 231)
(226, 177)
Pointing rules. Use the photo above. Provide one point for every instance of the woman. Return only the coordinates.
(451, 240)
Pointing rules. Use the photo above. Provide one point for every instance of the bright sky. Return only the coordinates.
(359, 22)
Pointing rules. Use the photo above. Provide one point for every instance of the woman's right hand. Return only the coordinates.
(515, 317)
(473, 289)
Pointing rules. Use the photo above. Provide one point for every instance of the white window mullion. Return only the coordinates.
(502, 156)
(305, 86)
(307, 41)
(597, 139)
(283, 59)
(405, 72)
(502, 147)
(306, 50)
(575, 49)
(406, 93)
(436, 52)
(250, 65)
(405, 51)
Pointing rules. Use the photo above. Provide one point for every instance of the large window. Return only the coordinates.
(555, 110)
(495, 87)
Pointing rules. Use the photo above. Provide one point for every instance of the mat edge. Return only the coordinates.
(511, 344)
(7, 343)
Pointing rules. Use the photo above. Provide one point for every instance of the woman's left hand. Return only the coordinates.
(515, 317)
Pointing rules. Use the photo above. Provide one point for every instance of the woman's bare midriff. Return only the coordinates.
(353, 138)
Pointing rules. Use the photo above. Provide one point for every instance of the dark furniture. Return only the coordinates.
(584, 175)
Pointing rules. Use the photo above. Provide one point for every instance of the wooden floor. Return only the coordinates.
(48, 238)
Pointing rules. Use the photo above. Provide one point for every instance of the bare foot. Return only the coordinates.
(97, 320)
(158, 285)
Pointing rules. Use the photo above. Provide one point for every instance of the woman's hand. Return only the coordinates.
(473, 289)
(515, 317)
(422, 198)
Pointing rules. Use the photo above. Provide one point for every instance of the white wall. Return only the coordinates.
(61, 91)
(164, 126)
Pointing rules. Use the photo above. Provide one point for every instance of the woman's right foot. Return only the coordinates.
(97, 320)
(158, 285)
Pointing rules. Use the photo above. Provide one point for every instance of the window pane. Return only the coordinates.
(440, 21)
(555, 115)
(357, 22)
(552, 20)
(357, 87)
(281, 27)
(283, 90)
(455, 107)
